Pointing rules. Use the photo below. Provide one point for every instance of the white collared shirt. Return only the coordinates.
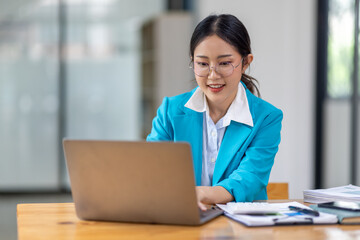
(213, 133)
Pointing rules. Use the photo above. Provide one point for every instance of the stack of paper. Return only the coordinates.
(343, 193)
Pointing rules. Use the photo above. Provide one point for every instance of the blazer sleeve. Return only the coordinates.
(252, 175)
(161, 126)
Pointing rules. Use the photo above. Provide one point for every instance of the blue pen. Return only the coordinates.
(304, 210)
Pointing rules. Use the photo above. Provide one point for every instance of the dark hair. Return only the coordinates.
(230, 29)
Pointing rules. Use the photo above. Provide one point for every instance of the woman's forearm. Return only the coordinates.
(213, 195)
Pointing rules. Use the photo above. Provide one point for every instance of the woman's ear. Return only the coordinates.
(246, 62)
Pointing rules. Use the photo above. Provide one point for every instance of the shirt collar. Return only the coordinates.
(238, 111)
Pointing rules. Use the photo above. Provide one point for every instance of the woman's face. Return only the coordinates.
(220, 90)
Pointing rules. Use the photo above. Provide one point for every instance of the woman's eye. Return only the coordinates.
(202, 64)
(224, 63)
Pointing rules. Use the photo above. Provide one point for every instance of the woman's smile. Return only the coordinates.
(216, 87)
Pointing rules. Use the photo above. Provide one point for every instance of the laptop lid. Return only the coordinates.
(151, 182)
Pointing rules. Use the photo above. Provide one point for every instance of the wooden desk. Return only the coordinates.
(59, 221)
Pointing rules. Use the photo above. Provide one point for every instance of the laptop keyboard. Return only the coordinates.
(210, 211)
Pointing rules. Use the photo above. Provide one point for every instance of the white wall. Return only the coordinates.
(172, 63)
(283, 35)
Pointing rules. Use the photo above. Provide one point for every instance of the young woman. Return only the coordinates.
(234, 135)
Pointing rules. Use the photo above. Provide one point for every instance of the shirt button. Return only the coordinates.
(213, 160)
(213, 133)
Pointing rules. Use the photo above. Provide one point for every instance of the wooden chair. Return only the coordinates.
(278, 191)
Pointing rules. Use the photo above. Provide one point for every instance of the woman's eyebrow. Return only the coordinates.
(225, 55)
(201, 56)
(221, 56)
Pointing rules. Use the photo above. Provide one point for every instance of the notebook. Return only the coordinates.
(273, 214)
(344, 217)
(148, 182)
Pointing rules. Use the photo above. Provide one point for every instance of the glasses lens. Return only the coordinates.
(224, 69)
(201, 69)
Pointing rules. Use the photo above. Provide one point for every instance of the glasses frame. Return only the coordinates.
(191, 65)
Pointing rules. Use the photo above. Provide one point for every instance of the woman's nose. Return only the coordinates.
(213, 74)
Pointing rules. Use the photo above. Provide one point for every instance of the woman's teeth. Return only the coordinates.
(216, 86)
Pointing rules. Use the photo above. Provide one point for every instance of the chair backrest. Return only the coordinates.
(278, 191)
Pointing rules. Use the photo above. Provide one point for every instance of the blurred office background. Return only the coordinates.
(98, 69)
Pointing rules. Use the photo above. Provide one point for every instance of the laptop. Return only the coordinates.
(142, 182)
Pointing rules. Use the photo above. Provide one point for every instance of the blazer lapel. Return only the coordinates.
(235, 136)
(188, 128)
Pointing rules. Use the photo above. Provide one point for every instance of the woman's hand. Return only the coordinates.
(212, 195)
(201, 193)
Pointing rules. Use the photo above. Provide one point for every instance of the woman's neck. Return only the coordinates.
(216, 112)
(217, 109)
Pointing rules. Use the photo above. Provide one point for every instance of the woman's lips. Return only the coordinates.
(216, 87)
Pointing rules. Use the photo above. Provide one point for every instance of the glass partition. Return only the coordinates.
(100, 67)
(29, 95)
(338, 103)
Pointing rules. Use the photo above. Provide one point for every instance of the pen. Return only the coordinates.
(304, 210)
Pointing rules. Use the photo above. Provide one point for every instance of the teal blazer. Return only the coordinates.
(246, 154)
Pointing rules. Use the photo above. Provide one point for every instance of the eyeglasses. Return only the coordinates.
(202, 69)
